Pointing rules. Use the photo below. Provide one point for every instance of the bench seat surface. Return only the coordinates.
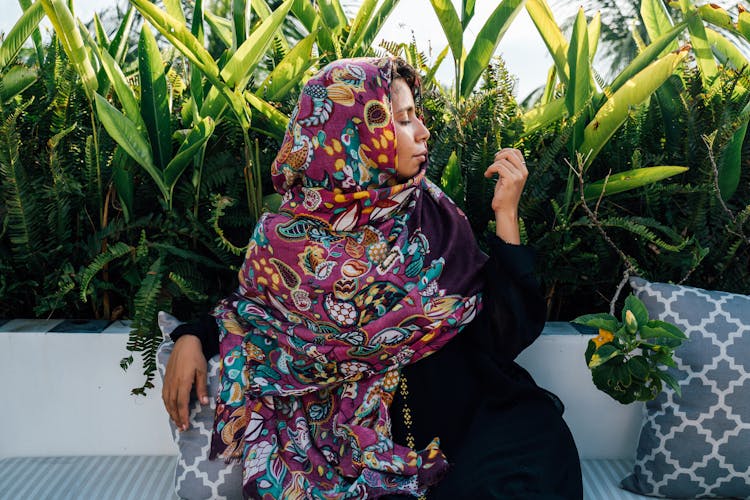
(151, 478)
(136, 477)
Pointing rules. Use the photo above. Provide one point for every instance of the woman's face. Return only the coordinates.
(411, 134)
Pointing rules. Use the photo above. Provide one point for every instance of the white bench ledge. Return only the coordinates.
(69, 396)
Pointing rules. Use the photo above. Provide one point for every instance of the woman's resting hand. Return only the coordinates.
(186, 366)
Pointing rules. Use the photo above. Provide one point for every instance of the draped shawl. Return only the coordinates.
(357, 275)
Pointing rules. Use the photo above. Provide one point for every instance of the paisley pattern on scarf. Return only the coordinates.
(355, 277)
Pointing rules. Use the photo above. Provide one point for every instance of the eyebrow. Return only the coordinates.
(405, 108)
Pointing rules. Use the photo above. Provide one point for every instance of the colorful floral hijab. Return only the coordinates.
(355, 277)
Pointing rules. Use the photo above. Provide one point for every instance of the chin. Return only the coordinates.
(409, 172)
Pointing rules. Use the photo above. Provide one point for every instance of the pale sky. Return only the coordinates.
(521, 47)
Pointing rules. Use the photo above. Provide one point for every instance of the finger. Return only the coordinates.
(166, 396)
(505, 169)
(519, 155)
(201, 390)
(515, 169)
(183, 400)
(504, 152)
(512, 154)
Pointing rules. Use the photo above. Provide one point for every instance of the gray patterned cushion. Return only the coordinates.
(697, 445)
(196, 477)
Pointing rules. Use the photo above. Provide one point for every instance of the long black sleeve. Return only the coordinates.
(513, 302)
(207, 331)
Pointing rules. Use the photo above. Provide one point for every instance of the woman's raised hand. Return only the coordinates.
(510, 167)
(186, 366)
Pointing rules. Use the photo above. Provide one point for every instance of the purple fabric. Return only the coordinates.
(355, 277)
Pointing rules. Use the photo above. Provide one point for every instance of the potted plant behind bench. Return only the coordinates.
(625, 357)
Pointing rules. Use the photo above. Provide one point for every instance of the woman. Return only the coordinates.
(369, 348)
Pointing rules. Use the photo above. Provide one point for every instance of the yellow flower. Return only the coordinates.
(605, 337)
(595, 361)
(630, 321)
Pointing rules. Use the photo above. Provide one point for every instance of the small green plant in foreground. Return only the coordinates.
(626, 356)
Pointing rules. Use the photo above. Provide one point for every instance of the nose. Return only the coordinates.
(423, 133)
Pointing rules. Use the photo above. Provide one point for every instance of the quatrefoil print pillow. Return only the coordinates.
(698, 444)
(197, 477)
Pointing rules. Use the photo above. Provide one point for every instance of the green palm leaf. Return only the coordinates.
(373, 27)
(70, 37)
(701, 47)
(717, 16)
(305, 12)
(467, 12)
(118, 48)
(276, 119)
(220, 27)
(632, 93)
(332, 14)
(730, 163)
(15, 81)
(657, 22)
(579, 90)
(123, 90)
(179, 36)
(154, 102)
(130, 139)
(594, 33)
(290, 71)
(357, 29)
(239, 25)
(174, 9)
(184, 41)
(487, 40)
(36, 36)
(452, 26)
(648, 56)
(238, 70)
(542, 17)
(197, 137)
(631, 179)
(725, 51)
(19, 33)
(543, 115)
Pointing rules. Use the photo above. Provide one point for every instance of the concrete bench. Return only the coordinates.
(71, 430)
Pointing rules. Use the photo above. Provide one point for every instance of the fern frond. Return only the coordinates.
(113, 252)
(641, 228)
(185, 254)
(220, 204)
(18, 192)
(187, 288)
(144, 335)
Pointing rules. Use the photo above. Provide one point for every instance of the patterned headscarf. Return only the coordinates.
(357, 275)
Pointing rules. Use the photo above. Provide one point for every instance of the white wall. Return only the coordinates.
(65, 394)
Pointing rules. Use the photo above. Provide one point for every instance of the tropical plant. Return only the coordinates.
(625, 358)
(469, 66)
(338, 36)
(713, 52)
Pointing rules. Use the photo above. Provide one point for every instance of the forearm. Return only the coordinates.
(506, 227)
